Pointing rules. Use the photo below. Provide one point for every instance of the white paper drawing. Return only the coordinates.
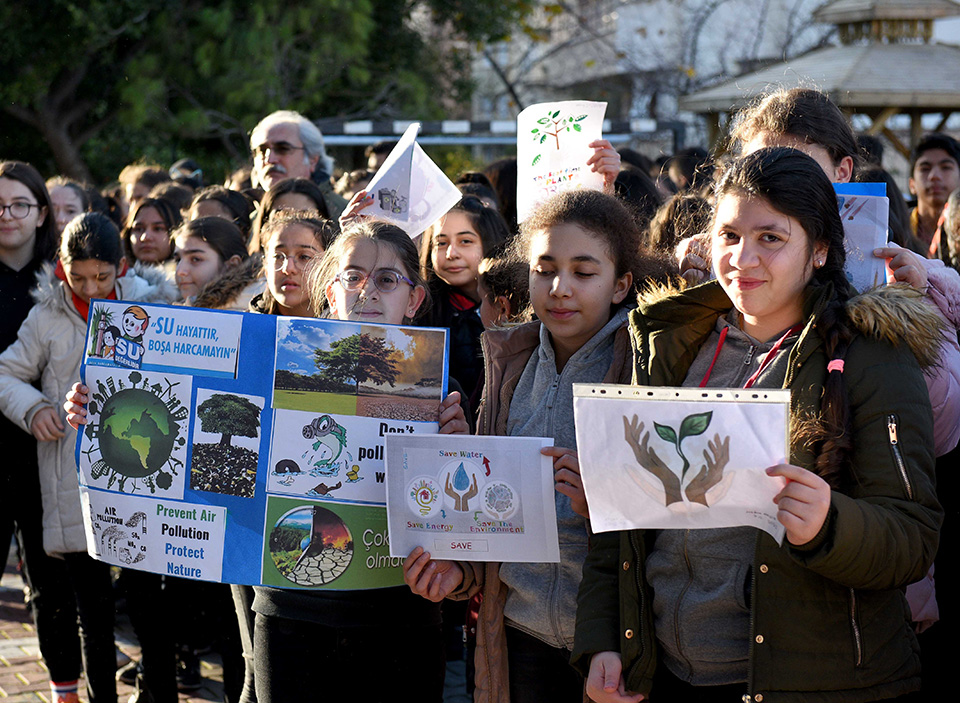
(409, 189)
(680, 458)
(552, 150)
(475, 498)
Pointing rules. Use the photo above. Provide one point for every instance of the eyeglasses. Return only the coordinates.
(278, 259)
(278, 148)
(18, 210)
(385, 280)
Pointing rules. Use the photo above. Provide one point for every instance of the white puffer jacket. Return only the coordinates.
(49, 347)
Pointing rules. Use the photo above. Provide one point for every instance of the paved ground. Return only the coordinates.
(23, 677)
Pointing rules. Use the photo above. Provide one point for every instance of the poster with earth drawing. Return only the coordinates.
(246, 448)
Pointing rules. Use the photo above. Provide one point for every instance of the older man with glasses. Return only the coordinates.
(285, 144)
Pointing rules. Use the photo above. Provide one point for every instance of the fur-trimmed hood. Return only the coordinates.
(893, 314)
(143, 283)
(234, 289)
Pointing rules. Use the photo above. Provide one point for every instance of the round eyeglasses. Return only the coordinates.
(385, 280)
(19, 209)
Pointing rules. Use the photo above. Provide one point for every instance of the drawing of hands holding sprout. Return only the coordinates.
(706, 484)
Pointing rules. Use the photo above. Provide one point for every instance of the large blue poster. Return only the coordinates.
(248, 448)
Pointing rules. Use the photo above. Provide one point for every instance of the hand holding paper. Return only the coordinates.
(904, 265)
(605, 161)
(803, 504)
(566, 468)
(434, 579)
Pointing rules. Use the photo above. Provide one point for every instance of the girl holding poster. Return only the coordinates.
(581, 247)
(714, 615)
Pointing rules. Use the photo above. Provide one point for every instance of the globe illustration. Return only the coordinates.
(137, 432)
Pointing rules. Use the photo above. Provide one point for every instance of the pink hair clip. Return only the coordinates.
(835, 365)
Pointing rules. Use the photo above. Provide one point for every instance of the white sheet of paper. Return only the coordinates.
(865, 219)
(471, 498)
(409, 189)
(725, 438)
(552, 150)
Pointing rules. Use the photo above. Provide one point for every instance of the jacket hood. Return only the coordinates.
(892, 314)
(148, 284)
(226, 288)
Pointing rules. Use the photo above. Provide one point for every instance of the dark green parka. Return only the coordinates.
(829, 621)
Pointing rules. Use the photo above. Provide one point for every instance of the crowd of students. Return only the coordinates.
(685, 272)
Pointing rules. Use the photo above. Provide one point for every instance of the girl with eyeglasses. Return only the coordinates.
(292, 240)
(28, 239)
(370, 274)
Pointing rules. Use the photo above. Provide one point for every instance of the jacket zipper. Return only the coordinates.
(748, 696)
(856, 627)
(898, 455)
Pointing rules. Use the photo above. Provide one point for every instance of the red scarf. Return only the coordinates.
(461, 302)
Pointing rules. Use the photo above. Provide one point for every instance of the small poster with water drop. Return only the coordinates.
(472, 498)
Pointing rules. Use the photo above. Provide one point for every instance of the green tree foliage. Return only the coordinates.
(229, 415)
(359, 357)
(90, 86)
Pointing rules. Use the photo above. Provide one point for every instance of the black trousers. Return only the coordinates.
(539, 672)
(383, 663)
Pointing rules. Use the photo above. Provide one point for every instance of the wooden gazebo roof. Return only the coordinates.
(887, 64)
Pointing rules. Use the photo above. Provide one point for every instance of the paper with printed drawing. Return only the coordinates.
(409, 189)
(865, 213)
(681, 458)
(473, 498)
(552, 150)
(245, 448)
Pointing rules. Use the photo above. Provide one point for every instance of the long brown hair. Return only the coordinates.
(795, 185)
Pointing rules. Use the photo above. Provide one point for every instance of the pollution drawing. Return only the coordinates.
(255, 453)
(480, 498)
(226, 443)
(134, 439)
(311, 546)
(680, 458)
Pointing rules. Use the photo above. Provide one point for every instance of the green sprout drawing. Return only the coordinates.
(559, 125)
(691, 426)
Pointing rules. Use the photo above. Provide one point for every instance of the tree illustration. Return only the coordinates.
(359, 357)
(229, 415)
(558, 124)
(339, 364)
(100, 312)
(377, 361)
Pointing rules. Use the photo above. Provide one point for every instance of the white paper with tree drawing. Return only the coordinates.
(681, 458)
(552, 150)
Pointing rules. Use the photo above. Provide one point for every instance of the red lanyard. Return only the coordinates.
(767, 358)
